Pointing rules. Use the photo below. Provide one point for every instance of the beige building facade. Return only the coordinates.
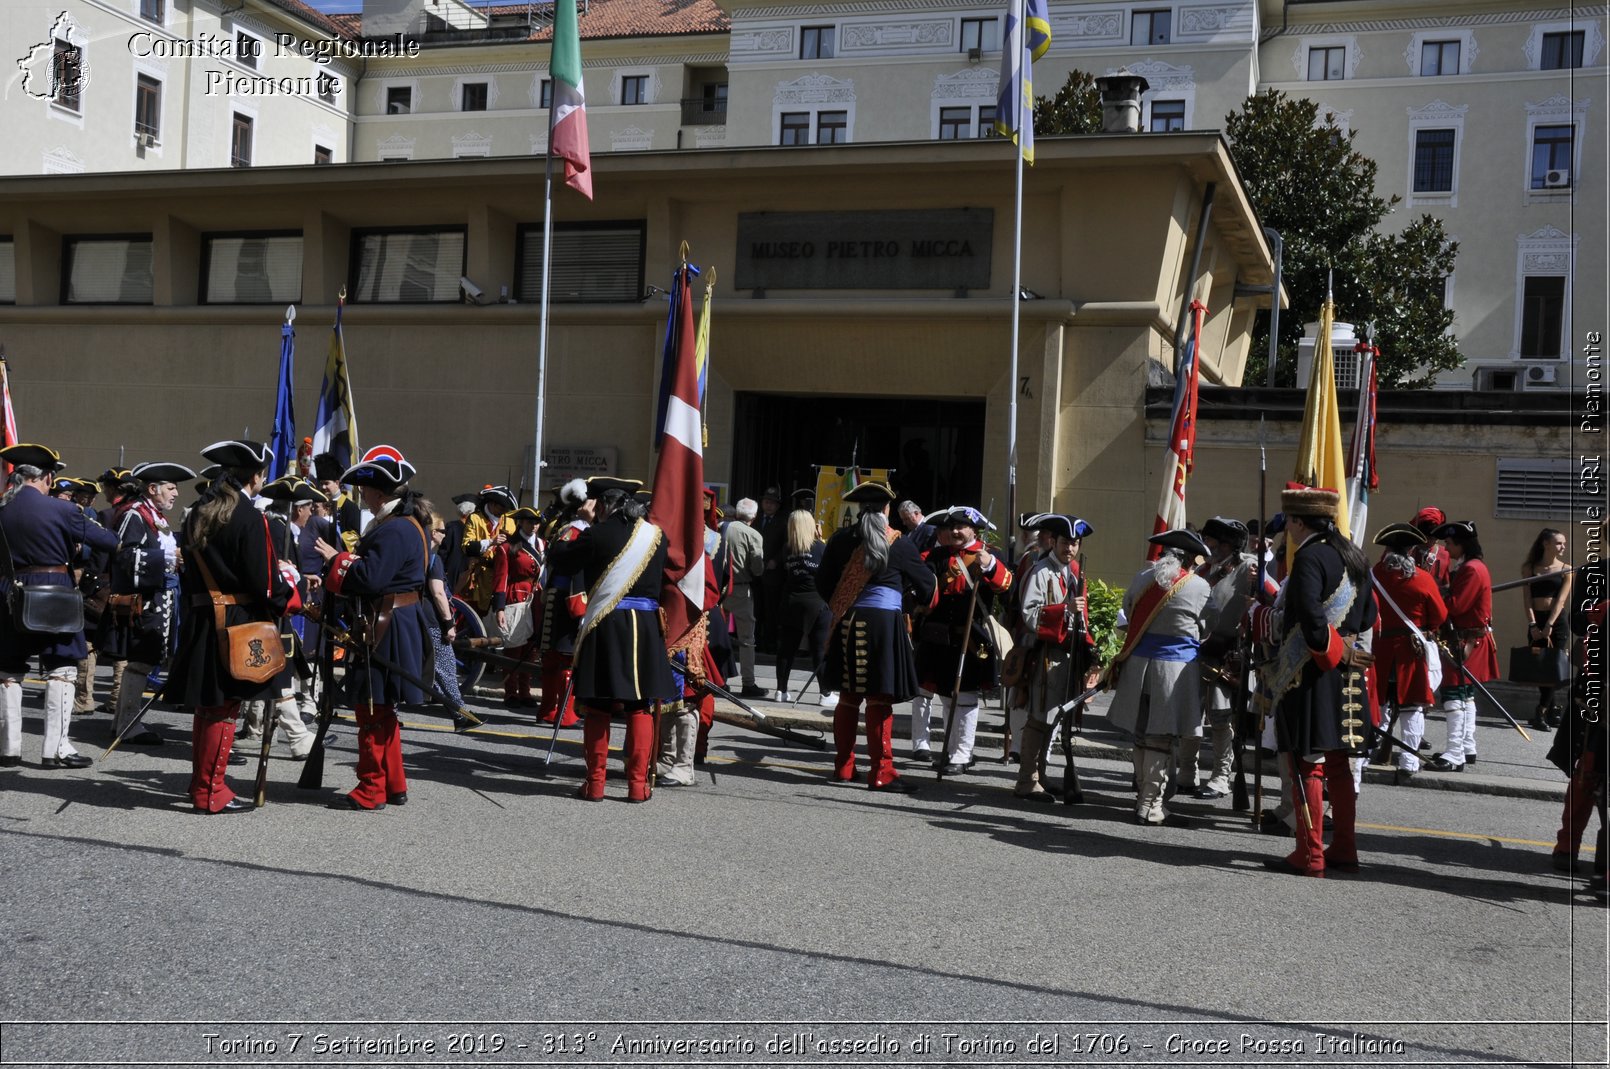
(1488, 114)
(453, 384)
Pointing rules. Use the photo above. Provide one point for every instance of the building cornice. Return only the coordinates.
(1433, 22)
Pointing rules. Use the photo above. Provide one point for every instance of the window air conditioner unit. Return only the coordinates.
(145, 139)
(1539, 375)
(975, 54)
(1557, 178)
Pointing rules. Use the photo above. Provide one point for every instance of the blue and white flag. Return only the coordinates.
(282, 444)
(336, 425)
(1028, 35)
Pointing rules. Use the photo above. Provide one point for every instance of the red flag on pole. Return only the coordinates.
(10, 416)
(1181, 455)
(678, 504)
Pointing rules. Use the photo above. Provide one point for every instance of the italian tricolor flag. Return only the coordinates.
(568, 126)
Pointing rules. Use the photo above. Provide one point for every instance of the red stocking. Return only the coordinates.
(639, 748)
(845, 729)
(880, 741)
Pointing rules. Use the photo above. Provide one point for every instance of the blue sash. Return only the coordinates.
(639, 604)
(878, 597)
(1167, 648)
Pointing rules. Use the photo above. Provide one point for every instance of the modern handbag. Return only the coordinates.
(251, 652)
(1540, 665)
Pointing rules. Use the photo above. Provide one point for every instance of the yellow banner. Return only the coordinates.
(832, 483)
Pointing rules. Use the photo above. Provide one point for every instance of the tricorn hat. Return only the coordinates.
(383, 468)
(1057, 525)
(574, 492)
(500, 494)
(88, 486)
(959, 516)
(64, 484)
(803, 498)
(1400, 536)
(870, 492)
(599, 485)
(1082, 528)
(1309, 502)
(464, 499)
(238, 453)
(1226, 529)
(295, 489)
(643, 497)
(160, 472)
(525, 513)
(1455, 529)
(113, 477)
(1181, 539)
(42, 457)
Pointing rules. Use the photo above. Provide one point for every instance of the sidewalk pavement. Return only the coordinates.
(1507, 764)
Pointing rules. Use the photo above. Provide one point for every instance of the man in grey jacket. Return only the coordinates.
(746, 550)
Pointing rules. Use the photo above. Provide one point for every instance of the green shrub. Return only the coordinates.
(1104, 601)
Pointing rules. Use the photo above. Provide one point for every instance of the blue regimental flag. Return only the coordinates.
(1028, 35)
(282, 445)
(336, 425)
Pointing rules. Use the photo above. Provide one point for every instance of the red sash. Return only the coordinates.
(1146, 609)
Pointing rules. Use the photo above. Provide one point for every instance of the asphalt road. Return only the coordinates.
(816, 924)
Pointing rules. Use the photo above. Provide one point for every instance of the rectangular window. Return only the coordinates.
(832, 127)
(795, 128)
(1438, 58)
(1562, 51)
(714, 98)
(240, 141)
(107, 270)
(547, 93)
(986, 121)
(593, 263)
(399, 100)
(1542, 316)
(147, 109)
(634, 89)
(816, 42)
(981, 34)
(261, 268)
(152, 10)
(407, 266)
(1551, 157)
(1433, 161)
(473, 97)
(1327, 64)
(1167, 115)
(955, 123)
(66, 77)
(8, 271)
(329, 86)
(247, 49)
(322, 155)
(1151, 27)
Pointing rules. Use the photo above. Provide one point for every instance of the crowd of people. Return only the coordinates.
(240, 609)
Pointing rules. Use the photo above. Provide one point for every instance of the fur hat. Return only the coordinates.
(1309, 502)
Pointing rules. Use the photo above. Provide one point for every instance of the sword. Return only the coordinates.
(132, 724)
(1459, 663)
(559, 714)
(344, 637)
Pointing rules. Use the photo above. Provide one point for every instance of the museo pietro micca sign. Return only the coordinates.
(945, 248)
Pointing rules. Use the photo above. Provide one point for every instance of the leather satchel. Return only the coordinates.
(47, 610)
(1542, 666)
(251, 652)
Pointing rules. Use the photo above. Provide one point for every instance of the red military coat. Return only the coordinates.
(1398, 657)
(515, 571)
(1470, 613)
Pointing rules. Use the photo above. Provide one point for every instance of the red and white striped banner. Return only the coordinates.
(677, 508)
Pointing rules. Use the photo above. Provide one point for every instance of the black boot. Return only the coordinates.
(1553, 716)
(1539, 721)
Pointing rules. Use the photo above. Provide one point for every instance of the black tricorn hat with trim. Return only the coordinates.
(1400, 536)
(1181, 539)
(383, 467)
(238, 453)
(294, 488)
(1455, 529)
(603, 484)
(161, 472)
(326, 468)
(501, 494)
(42, 457)
(870, 492)
(1226, 529)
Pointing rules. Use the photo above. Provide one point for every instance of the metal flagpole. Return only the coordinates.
(547, 278)
(1019, 119)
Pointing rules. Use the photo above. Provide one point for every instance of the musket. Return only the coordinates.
(468, 648)
(1530, 579)
(1263, 708)
(961, 665)
(1073, 703)
(260, 794)
(1458, 659)
(1072, 794)
(559, 714)
(312, 778)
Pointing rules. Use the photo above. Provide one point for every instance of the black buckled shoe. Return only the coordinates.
(1442, 764)
(234, 805)
(76, 760)
(898, 785)
(10, 760)
(400, 798)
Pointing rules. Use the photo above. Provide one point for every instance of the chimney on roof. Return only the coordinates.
(1120, 101)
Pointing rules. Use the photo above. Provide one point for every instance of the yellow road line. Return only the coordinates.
(1463, 835)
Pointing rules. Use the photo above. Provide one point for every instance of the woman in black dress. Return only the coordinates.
(804, 613)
